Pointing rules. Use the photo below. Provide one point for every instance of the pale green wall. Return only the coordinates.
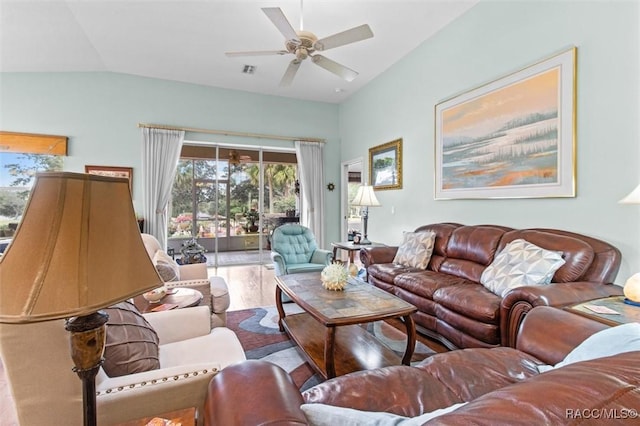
(490, 40)
(99, 112)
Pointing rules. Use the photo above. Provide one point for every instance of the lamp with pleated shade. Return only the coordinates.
(77, 249)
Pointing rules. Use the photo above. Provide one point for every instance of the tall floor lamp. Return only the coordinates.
(365, 197)
(78, 249)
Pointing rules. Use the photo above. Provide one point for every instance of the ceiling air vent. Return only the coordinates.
(249, 69)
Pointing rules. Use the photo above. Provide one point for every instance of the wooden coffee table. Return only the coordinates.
(328, 330)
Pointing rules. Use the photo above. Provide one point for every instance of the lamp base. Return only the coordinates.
(364, 242)
(87, 346)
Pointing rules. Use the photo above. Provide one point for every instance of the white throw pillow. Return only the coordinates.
(519, 264)
(329, 415)
(608, 342)
(416, 249)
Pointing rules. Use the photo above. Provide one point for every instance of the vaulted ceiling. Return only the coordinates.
(186, 40)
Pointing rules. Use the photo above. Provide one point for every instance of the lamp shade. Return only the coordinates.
(78, 249)
(633, 197)
(365, 197)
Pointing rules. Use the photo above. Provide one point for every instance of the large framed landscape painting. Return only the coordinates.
(511, 138)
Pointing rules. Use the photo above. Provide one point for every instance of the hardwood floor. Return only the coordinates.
(250, 286)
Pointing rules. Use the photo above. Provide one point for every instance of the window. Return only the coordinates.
(21, 157)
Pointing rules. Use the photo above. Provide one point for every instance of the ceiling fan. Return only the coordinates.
(305, 44)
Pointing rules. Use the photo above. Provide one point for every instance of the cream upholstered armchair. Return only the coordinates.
(45, 390)
(190, 275)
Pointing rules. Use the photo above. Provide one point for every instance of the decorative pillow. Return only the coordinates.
(132, 344)
(329, 415)
(416, 249)
(608, 342)
(166, 271)
(167, 268)
(520, 263)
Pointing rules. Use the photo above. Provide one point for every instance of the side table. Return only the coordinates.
(625, 313)
(351, 248)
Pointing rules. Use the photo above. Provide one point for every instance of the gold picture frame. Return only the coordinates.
(513, 137)
(385, 165)
(122, 172)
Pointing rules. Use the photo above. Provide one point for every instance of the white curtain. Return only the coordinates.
(311, 176)
(160, 154)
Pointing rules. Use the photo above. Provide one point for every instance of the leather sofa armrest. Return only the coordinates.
(551, 343)
(372, 255)
(274, 398)
(519, 301)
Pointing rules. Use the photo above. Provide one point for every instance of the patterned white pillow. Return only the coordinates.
(416, 249)
(519, 264)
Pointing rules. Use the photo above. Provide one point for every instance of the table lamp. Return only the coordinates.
(365, 197)
(77, 249)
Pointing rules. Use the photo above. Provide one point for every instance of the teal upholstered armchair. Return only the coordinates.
(294, 250)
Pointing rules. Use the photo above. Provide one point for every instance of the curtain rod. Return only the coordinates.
(229, 133)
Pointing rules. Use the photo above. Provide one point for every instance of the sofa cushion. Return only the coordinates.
(132, 344)
(416, 249)
(387, 272)
(471, 300)
(424, 283)
(519, 264)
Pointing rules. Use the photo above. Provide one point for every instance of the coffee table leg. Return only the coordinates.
(281, 313)
(329, 349)
(411, 339)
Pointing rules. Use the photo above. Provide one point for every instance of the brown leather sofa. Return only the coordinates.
(500, 385)
(456, 309)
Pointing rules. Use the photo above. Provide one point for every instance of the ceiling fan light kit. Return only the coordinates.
(304, 44)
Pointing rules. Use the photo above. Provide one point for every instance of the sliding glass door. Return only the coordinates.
(230, 200)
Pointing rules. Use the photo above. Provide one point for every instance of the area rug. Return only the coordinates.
(257, 330)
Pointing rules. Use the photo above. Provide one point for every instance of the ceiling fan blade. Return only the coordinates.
(290, 73)
(276, 16)
(340, 70)
(257, 53)
(362, 32)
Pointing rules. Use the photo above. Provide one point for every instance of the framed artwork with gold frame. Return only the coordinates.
(122, 172)
(385, 165)
(511, 138)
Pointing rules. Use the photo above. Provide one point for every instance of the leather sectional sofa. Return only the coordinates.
(456, 309)
(500, 386)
